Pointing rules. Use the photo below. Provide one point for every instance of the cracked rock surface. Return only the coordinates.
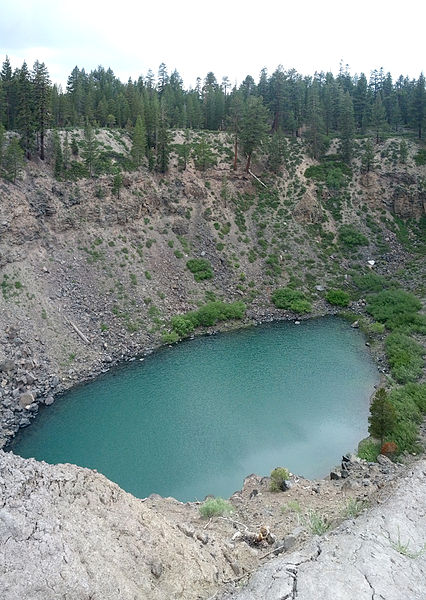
(379, 556)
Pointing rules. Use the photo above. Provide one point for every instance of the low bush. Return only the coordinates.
(370, 282)
(278, 476)
(350, 238)
(337, 298)
(420, 157)
(200, 268)
(288, 298)
(207, 315)
(368, 450)
(405, 357)
(215, 507)
(396, 309)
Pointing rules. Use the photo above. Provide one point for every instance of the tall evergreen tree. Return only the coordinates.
(254, 126)
(235, 117)
(382, 415)
(139, 141)
(13, 161)
(58, 158)
(315, 132)
(378, 117)
(277, 151)
(25, 114)
(42, 99)
(163, 146)
(347, 128)
(418, 105)
(2, 144)
(90, 152)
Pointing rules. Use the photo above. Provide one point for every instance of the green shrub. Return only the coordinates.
(376, 328)
(405, 357)
(396, 309)
(370, 282)
(368, 450)
(215, 507)
(278, 476)
(337, 297)
(420, 157)
(335, 174)
(288, 298)
(301, 306)
(170, 338)
(206, 316)
(182, 325)
(200, 268)
(350, 238)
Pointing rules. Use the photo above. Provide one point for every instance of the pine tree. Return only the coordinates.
(367, 159)
(90, 151)
(254, 127)
(382, 415)
(117, 184)
(378, 117)
(163, 146)
(42, 101)
(139, 141)
(66, 152)
(277, 151)
(184, 151)
(315, 132)
(2, 143)
(403, 151)
(8, 94)
(236, 112)
(25, 115)
(347, 128)
(13, 160)
(203, 155)
(418, 108)
(58, 158)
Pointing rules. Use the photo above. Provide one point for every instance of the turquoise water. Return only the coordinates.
(197, 418)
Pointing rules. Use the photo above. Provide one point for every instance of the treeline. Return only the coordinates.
(315, 107)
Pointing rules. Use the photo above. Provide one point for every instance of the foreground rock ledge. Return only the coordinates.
(70, 533)
(380, 556)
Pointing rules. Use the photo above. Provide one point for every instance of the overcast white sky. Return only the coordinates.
(228, 37)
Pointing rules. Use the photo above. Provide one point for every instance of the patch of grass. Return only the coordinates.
(292, 506)
(178, 254)
(368, 450)
(353, 508)
(215, 507)
(316, 523)
(148, 275)
(404, 549)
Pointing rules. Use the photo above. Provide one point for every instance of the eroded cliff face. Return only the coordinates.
(68, 532)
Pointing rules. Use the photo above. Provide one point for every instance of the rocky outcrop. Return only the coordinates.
(68, 532)
(381, 555)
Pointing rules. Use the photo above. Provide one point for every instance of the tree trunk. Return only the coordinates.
(235, 152)
(248, 162)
